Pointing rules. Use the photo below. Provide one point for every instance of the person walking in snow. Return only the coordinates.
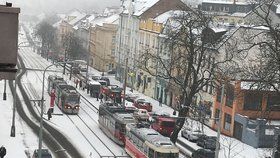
(49, 114)
(81, 84)
(2, 151)
(76, 83)
(101, 97)
(160, 101)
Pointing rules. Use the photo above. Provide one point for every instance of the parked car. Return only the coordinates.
(203, 153)
(143, 104)
(129, 106)
(45, 153)
(190, 134)
(131, 97)
(83, 68)
(164, 125)
(141, 114)
(113, 71)
(207, 142)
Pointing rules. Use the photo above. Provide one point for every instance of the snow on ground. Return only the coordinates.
(230, 147)
(27, 141)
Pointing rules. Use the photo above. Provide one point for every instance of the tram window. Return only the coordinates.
(151, 153)
(72, 99)
(167, 155)
(122, 128)
(146, 149)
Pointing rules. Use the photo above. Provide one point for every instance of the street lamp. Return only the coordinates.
(13, 128)
(41, 115)
(4, 93)
(220, 123)
(42, 103)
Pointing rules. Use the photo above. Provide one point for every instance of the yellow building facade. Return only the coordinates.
(102, 46)
(149, 31)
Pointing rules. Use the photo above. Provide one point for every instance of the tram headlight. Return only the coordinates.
(77, 107)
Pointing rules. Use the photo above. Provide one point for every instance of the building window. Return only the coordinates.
(219, 94)
(273, 103)
(217, 113)
(229, 95)
(252, 101)
(227, 122)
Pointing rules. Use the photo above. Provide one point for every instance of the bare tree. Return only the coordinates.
(47, 34)
(193, 59)
(73, 47)
(266, 68)
(231, 147)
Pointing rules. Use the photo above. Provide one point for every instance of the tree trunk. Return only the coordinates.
(179, 123)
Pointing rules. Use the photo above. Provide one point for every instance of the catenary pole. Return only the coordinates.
(220, 123)
(125, 80)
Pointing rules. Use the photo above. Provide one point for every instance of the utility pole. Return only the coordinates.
(13, 128)
(118, 73)
(4, 94)
(125, 80)
(220, 123)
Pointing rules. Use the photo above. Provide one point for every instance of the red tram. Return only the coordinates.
(113, 93)
(113, 119)
(144, 142)
(66, 96)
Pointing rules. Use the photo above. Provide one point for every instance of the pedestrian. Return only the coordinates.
(76, 82)
(49, 114)
(81, 84)
(160, 101)
(52, 98)
(97, 96)
(101, 98)
(87, 88)
(2, 151)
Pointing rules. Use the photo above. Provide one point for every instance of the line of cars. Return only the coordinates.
(208, 143)
(162, 123)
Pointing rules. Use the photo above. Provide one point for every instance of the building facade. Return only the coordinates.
(128, 35)
(240, 99)
(102, 43)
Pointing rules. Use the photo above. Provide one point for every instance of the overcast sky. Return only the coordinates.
(60, 6)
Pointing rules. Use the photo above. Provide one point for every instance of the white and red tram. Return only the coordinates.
(113, 119)
(144, 142)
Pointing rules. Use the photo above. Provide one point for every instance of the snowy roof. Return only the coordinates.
(74, 17)
(108, 19)
(162, 18)
(152, 136)
(91, 17)
(239, 2)
(278, 9)
(61, 16)
(238, 14)
(57, 23)
(138, 7)
(218, 29)
(247, 85)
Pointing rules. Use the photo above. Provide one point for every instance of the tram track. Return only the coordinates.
(51, 136)
(78, 119)
(50, 141)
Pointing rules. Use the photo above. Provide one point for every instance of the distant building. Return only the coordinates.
(128, 32)
(67, 24)
(102, 42)
(243, 101)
